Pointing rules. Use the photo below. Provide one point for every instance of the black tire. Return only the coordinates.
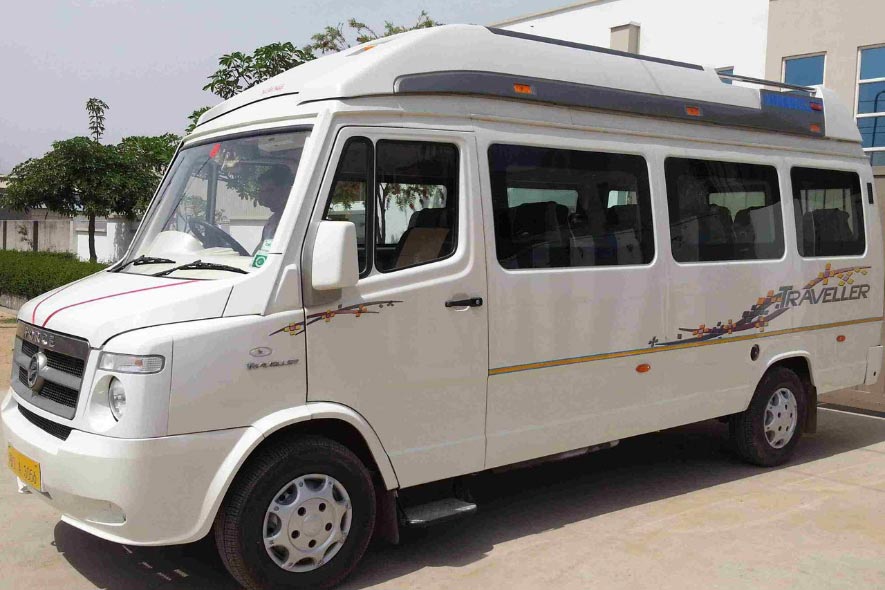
(748, 427)
(239, 525)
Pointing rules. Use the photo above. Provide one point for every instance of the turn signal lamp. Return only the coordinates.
(523, 89)
(693, 111)
(131, 363)
(643, 368)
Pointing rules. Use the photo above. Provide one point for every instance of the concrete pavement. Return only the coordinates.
(673, 509)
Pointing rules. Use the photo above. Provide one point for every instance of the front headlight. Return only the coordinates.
(131, 363)
(116, 398)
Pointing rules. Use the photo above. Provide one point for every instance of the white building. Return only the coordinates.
(724, 34)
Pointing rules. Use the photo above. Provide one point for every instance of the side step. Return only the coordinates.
(436, 512)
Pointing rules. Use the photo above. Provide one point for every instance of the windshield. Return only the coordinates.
(219, 207)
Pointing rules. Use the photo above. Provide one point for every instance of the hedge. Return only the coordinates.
(28, 274)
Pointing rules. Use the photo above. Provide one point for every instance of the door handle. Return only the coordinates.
(471, 302)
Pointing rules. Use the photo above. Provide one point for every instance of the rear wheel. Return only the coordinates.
(767, 432)
(300, 516)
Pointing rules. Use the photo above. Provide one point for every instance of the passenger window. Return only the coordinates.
(348, 198)
(416, 203)
(723, 211)
(829, 212)
(557, 208)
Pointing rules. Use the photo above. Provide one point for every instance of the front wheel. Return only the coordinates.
(300, 516)
(767, 432)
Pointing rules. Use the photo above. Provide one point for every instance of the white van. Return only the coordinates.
(444, 252)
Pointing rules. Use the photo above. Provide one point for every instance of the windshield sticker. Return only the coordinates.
(357, 310)
(776, 303)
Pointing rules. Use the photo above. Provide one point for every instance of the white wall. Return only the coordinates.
(110, 245)
(718, 33)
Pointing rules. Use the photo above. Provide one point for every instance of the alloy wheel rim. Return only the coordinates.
(307, 522)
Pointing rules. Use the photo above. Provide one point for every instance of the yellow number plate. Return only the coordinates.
(26, 469)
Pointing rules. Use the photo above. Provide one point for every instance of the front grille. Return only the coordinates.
(53, 428)
(62, 372)
(65, 363)
(59, 394)
(29, 349)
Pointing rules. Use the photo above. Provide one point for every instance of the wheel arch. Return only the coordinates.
(334, 421)
(799, 362)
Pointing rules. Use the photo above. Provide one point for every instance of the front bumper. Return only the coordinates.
(157, 491)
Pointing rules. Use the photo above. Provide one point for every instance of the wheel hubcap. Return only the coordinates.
(307, 522)
(781, 417)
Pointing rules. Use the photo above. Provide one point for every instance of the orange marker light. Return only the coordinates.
(815, 128)
(643, 368)
(840, 338)
(523, 89)
(693, 111)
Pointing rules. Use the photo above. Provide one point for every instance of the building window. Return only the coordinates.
(729, 71)
(804, 71)
(871, 102)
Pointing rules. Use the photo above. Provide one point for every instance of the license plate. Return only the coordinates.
(26, 469)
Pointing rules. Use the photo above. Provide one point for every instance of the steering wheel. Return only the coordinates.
(211, 236)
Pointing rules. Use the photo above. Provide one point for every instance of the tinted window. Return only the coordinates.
(349, 195)
(563, 208)
(804, 71)
(723, 211)
(829, 212)
(416, 203)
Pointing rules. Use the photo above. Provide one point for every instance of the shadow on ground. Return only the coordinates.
(512, 505)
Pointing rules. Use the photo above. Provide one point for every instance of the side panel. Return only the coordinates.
(554, 381)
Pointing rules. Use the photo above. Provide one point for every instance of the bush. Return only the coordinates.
(28, 274)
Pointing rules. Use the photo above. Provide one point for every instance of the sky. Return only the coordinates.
(149, 59)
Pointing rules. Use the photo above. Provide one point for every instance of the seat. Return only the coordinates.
(427, 237)
(830, 233)
(540, 235)
(623, 224)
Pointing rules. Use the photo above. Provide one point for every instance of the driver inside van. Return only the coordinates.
(273, 192)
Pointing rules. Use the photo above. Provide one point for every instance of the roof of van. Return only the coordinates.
(480, 61)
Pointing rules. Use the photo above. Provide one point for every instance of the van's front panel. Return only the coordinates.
(407, 347)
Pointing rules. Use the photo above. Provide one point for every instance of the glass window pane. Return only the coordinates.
(349, 196)
(416, 203)
(557, 208)
(723, 211)
(877, 158)
(829, 212)
(871, 97)
(728, 71)
(872, 63)
(804, 71)
(872, 131)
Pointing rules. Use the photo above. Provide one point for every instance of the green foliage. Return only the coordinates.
(239, 71)
(194, 117)
(28, 274)
(80, 176)
(96, 108)
(334, 38)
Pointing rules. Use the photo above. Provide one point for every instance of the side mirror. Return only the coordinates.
(335, 264)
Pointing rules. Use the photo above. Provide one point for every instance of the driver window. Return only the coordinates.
(348, 198)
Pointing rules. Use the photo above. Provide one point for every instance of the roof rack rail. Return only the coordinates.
(762, 82)
(585, 47)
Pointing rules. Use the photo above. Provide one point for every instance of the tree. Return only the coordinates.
(96, 108)
(80, 176)
(333, 38)
(194, 117)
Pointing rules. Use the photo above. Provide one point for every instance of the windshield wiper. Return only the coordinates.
(200, 265)
(144, 260)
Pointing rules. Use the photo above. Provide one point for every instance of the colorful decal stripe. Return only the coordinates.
(42, 301)
(356, 310)
(46, 321)
(668, 347)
